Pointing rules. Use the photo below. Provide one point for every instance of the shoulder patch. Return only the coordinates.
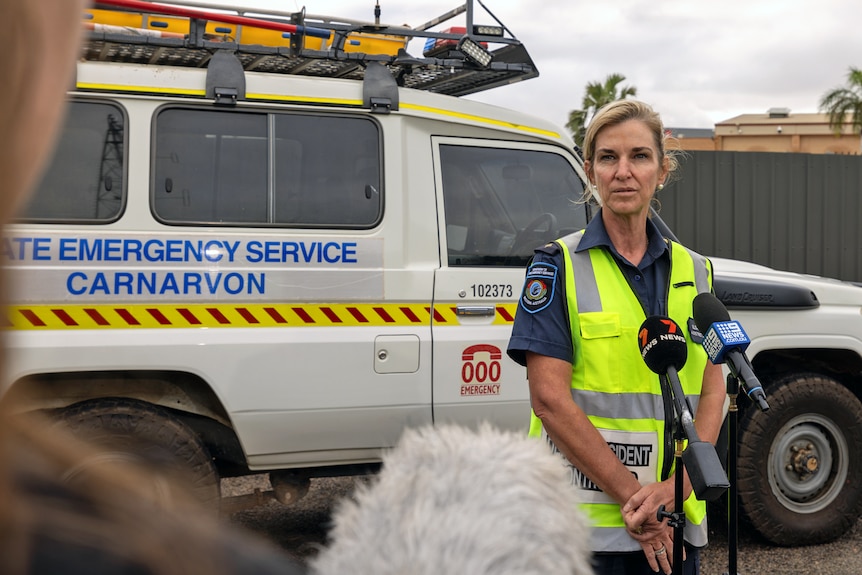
(539, 287)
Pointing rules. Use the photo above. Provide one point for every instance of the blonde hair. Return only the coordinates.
(111, 508)
(621, 111)
(39, 43)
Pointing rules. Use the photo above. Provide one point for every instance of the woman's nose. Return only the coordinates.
(623, 169)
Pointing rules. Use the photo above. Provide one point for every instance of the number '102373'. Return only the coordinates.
(492, 290)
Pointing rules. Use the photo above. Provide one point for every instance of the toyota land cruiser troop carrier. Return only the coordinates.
(269, 243)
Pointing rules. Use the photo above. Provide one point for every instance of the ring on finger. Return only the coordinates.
(660, 551)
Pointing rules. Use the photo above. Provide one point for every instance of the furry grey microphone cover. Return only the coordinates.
(450, 500)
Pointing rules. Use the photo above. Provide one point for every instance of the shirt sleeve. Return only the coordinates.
(541, 321)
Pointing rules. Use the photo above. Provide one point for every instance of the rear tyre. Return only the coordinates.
(799, 462)
(132, 431)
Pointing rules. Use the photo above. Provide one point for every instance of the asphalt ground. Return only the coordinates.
(301, 530)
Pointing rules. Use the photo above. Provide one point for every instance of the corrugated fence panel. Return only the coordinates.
(796, 212)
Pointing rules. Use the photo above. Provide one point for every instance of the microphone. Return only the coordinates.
(662, 344)
(663, 348)
(664, 351)
(724, 340)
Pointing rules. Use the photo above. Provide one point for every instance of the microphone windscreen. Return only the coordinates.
(707, 310)
(662, 344)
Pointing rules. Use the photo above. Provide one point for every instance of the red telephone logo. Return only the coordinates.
(481, 370)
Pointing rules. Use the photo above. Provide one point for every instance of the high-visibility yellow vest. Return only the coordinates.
(615, 388)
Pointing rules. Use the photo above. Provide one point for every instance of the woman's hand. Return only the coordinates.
(655, 537)
(642, 507)
(656, 540)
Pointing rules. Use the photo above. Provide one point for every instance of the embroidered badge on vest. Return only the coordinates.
(694, 332)
(539, 287)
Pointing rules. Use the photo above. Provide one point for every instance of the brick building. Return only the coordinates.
(778, 130)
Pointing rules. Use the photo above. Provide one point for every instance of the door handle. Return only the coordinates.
(475, 310)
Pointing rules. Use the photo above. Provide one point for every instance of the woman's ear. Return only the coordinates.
(665, 169)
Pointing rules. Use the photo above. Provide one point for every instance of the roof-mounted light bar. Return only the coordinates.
(484, 30)
(474, 52)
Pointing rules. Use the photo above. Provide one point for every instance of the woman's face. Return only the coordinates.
(626, 168)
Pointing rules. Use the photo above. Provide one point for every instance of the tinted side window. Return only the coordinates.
(85, 179)
(327, 171)
(501, 204)
(211, 167)
(234, 168)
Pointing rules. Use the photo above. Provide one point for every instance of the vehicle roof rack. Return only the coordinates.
(457, 61)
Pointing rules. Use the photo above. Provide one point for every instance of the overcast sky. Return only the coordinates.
(697, 62)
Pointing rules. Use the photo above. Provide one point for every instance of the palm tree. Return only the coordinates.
(844, 101)
(596, 95)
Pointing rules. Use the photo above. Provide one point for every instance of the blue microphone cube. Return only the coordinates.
(723, 336)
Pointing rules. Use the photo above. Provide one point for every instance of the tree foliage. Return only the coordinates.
(596, 95)
(845, 101)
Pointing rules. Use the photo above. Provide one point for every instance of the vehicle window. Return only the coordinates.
(85, 179)
(327, 171)
(230, 168)
(211, 167)
(500, 204)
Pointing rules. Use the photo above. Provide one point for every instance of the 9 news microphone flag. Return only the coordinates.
(725, 341)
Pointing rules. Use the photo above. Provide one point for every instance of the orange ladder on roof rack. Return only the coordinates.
(184, 34)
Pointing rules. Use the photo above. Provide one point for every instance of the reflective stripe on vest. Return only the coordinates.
(610, 381)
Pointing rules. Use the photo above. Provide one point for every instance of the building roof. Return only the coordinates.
(690, 132)
(768, 119)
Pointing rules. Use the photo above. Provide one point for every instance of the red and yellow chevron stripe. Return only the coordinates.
(128, 316)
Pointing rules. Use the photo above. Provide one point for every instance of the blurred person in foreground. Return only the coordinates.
(576, 329)
(108, 520)
(452, 501)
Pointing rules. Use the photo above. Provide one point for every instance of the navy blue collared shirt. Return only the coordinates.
(546, 331)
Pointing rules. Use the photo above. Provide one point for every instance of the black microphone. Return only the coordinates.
(662, 344)
(724, 340)
(664, 350)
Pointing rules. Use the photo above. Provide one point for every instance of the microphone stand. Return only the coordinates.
(732, 471)
(677, 518)
(707, 476)
(733, 384)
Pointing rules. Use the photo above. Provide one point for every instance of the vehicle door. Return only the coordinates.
(497, 202)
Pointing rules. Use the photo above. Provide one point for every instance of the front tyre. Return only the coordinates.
(132, 431)
(799, 462)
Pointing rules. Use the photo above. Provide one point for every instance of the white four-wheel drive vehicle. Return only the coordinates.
(798, 460)
(271, 246)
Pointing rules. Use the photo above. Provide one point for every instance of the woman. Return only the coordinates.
(592, 396)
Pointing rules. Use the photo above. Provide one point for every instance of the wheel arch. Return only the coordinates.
(843, 365)
(186, 395)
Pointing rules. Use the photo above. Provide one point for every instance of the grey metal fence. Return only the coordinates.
(795, 212)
